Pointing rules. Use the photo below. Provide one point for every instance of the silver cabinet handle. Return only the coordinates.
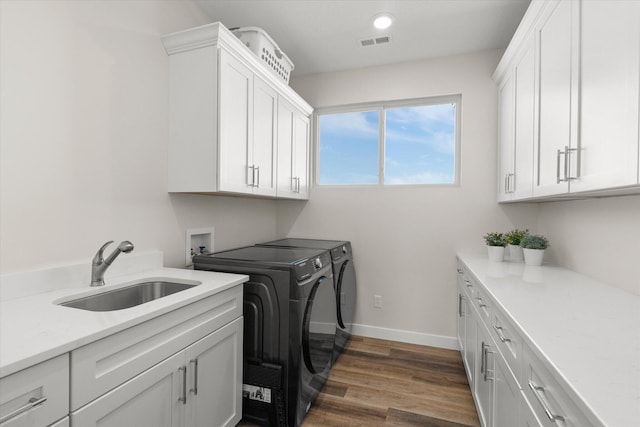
(512, 183)
(194, 390)
(480, 304)
(468, 283)
(257, 181)
(32, 403)
(567, 159)
(484, 361)
(253, 175)
(460, 299)
(499, 330)
(536, 389)
(459, 271)
(506, 183)
(298, 185)
(183, 399)
(558, 180)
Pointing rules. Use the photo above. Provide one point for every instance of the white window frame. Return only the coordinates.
(381, 107)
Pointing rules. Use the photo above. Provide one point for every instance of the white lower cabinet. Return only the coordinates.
(507, 394)
(548, 401)
(183, 368)
(199, 386)
(484, 390)
(510, 383)
(148, 400)
(37, 396)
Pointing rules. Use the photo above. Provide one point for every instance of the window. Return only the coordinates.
(399, 143)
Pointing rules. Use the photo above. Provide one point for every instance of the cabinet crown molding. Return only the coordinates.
(216, 34)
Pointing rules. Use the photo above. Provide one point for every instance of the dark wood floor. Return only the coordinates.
(387, 383)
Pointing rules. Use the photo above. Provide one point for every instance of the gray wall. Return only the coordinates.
(405, 238)
(84, 136)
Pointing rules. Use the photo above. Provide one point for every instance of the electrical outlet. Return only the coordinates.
(377, 301)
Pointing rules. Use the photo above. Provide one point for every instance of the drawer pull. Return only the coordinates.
(33, 402)
(499, 332)
(536, 389)
(469, 285)
(459, 271)
(480, 304)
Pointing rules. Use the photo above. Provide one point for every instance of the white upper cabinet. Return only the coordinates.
(556, 140)
(516, 127)
(235, 126)
(223, 115)
(506, 137)
(293, 151)
(609, 78)
(571, 127)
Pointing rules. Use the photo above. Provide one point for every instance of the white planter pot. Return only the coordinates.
(515, 253)
(496, 253)
(533, 256)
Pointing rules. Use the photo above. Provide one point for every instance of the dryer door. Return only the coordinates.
(346, 295)
(319, 326)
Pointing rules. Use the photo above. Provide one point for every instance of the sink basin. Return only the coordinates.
(127, 297)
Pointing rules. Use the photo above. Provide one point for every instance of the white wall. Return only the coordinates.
(405, 238)
(84, 136)
(596, 237)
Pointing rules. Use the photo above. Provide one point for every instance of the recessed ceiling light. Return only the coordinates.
(382, 21)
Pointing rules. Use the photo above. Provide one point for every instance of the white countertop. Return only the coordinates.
(33, 328)
(588, 331)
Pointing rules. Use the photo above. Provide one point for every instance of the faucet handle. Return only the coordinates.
(98, 258)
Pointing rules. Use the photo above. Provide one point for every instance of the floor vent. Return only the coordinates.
(375, 40)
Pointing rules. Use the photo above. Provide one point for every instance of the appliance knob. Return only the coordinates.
(344, 249)
(317, 263)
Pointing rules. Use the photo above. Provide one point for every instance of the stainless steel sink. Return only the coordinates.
(129, 296)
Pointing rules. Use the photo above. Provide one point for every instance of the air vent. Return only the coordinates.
(375, 41)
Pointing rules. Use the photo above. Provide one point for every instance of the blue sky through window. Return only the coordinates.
(349, 148)
(419, 146)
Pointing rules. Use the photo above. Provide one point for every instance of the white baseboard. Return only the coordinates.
(410, 337)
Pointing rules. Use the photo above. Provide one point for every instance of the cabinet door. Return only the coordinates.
(506, 117)
(507, 395)
(148, 400)
(215, 387)
(485, 357)
(286, 181)
(262, 156)
(521, 185)
(301, 138)
(470, 339)
(555, 100)
(610, 56)
(36, 396)
(234, 125)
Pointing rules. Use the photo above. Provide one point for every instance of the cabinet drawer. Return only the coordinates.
(549, 402)
(484, 305)
(465, 281)
(36, 396)
(103, 365)
(508, 341)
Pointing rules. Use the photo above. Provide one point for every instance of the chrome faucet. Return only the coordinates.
(99, 265)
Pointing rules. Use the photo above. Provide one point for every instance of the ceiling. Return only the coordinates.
(324, 35)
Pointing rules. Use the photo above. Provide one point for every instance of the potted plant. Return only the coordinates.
(513, 238)
(495, 244)
(533, 247)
